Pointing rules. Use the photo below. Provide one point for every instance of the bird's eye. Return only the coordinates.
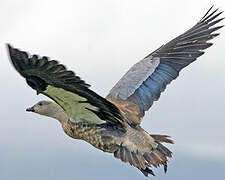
(40, 104)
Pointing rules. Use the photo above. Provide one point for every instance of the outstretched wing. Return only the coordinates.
(64, 87)
(144, 82)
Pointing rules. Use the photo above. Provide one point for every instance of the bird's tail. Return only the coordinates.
(145, 160)
(162, 138)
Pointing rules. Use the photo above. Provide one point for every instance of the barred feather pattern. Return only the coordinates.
(144, 161)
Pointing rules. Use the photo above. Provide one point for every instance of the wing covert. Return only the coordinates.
(144, 82)
(64, 87)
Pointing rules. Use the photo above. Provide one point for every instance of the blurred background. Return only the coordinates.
(100, 40)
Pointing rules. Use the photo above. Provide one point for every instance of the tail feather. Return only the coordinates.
(147, 171)
(128, 155)
(143, 161)
(153, 159)
(159, 155)
(162, 138)
(164, 150)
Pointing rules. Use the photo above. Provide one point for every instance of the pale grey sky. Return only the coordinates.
(100, 40)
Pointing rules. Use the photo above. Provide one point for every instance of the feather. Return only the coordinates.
(65, 88)
(162, 66)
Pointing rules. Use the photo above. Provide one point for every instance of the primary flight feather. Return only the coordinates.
(112, 124)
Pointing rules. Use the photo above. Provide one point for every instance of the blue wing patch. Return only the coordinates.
(145, 82)
(152, 87)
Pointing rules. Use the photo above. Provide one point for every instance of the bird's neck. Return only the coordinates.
(61, 117)
(58, 113)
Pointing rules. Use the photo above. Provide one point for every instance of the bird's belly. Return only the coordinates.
(90, 134)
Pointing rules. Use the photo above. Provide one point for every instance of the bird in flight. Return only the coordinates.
(112, 124)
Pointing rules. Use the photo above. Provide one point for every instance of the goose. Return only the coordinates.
(112, 124)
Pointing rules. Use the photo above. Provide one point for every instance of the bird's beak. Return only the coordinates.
(31, 109)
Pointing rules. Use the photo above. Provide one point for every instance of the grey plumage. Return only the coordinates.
(166, 62)
(112, 124)
(134, 78)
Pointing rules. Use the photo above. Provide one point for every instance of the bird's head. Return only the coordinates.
(48, 108)
(42, 107)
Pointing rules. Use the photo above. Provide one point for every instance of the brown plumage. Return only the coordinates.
(112, 124)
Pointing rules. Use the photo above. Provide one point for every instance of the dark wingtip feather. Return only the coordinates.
(11, 53)
(215, 35)
(207, 15)
(22, 60)
(8, 46)
(10, 49)
(214, 17)
(210, 17)
(165, 167)
(207, 12)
